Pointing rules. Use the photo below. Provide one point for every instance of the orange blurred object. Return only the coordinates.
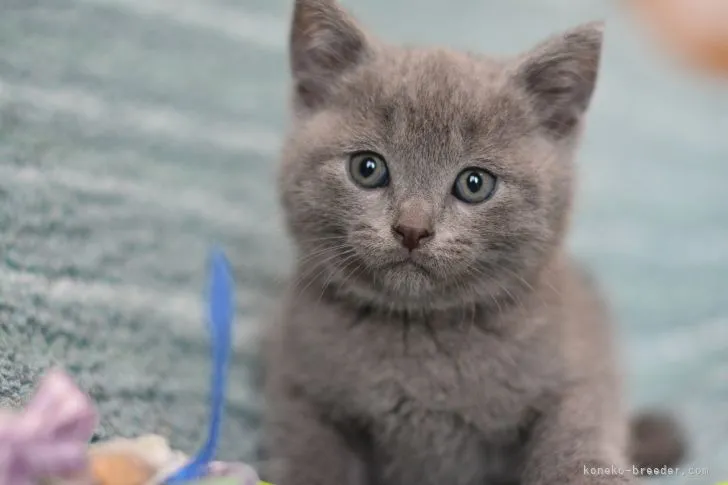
(696, 29)
(120, 469)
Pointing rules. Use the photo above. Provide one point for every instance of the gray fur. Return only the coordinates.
(484, 356)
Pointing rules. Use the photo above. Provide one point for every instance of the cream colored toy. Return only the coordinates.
(143, 461)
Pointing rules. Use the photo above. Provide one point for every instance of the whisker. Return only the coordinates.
(319, 268)
(319, 252)
(340, 266)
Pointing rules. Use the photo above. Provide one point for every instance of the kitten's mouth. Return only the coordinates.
(410, 263)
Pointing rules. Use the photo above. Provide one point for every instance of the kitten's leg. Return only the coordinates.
(305, 450)
(579, 441)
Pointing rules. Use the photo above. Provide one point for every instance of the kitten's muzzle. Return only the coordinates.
(411, 237)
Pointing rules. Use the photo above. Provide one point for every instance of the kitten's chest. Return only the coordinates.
(438, 404)
(441, 420)
(392, 375)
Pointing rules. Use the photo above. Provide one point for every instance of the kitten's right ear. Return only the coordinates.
(325, 42)
(560, 75)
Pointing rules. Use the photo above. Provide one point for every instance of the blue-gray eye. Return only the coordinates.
(368, 170)
(474, 185)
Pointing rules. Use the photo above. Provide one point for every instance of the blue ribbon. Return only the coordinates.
(220, 317)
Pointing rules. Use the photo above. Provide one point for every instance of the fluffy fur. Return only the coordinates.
(482, 357)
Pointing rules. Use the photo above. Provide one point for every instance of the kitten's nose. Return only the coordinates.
(411, 236)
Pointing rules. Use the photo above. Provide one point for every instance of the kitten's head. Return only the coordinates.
(423, 177)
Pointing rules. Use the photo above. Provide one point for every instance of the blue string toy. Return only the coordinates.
(220, 317)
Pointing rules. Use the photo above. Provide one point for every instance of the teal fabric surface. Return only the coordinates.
(136, 133)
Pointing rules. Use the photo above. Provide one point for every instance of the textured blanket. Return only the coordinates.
(135, 133)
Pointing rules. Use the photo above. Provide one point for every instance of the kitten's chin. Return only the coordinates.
(409, 269)
(405, 286)
(395, 281)
(405, 283)
(407, 278)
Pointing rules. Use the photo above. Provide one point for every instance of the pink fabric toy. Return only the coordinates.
(49, 438)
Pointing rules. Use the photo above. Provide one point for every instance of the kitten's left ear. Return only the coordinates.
(560, 75)
(325, 42)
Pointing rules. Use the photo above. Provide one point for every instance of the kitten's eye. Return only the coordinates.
(368, 170)
(474, 185)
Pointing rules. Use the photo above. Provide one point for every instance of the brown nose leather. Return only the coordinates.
(411, 236)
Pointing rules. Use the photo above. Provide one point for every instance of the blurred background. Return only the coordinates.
(135, 133)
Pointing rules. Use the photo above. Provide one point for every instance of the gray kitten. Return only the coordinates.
(436, 332)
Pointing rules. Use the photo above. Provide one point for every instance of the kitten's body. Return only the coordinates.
(451, 397)
(480, 355)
